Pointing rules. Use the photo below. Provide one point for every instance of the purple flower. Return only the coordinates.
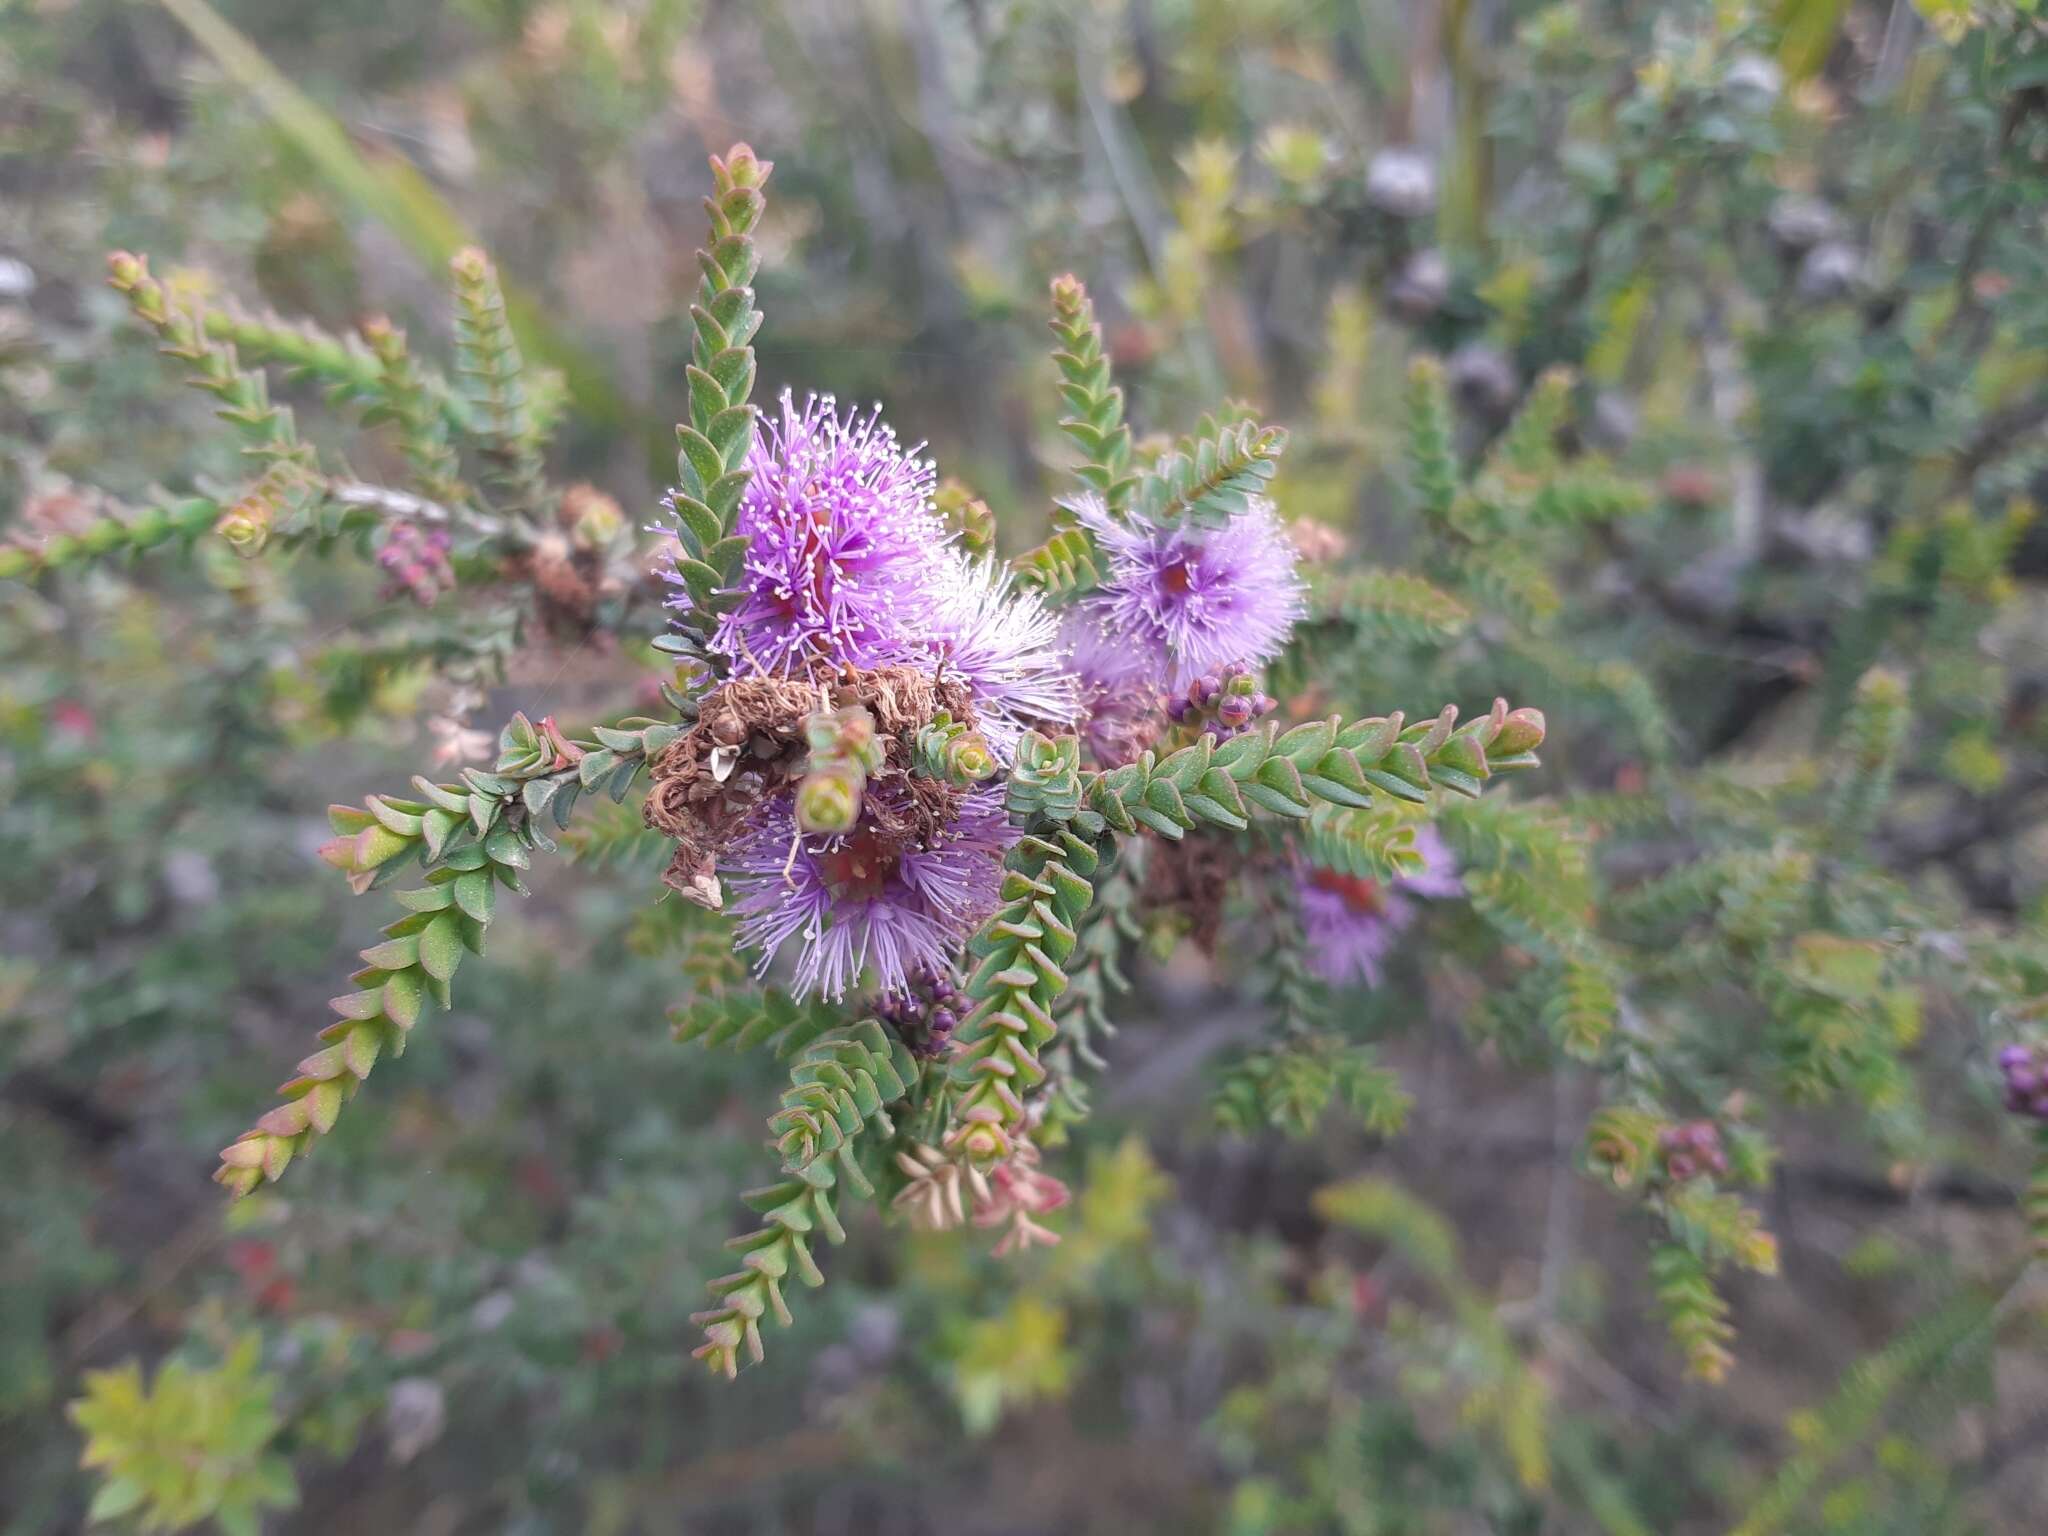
(2026, 1081)
(1196, 598)
(843, 543)
(1351, 921)
(1005, 645)
(1120, 701)
(858, 902)
(848, 563)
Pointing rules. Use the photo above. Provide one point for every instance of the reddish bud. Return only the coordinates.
(1521, 730)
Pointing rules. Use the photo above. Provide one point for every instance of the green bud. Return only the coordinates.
(828, 800)
(125, 270)
(844, 736)
(469, 265)
(594, 519)
(1521, 731)
(245, 526)
(968, 759)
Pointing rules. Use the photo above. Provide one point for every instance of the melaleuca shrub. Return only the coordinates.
(924, 803)
(873, 761)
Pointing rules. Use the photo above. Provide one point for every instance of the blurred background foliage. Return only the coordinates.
(1792, 255)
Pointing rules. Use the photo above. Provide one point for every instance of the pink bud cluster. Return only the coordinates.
(1223, 702)
(925, 1013)
(416, 561)
(2026, 1081)
(1692, 1149)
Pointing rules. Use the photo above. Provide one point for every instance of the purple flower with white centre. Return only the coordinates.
(1351, 921)
(1005, 645)
(842, 541)
(1198, 598)
(856, 902)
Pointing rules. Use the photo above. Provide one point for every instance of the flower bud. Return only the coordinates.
(1522, 731)
(246, 527)
(1234, 710)
(592, 518)
(968, 759)
(125, 269)
(981, 1142)
(828, 800)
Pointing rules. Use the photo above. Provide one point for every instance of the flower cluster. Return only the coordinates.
(1351, 921)
(1222, 703)
(869, 865)
(415, 560)
(848, 564)
(1692, 1149)
(2026, 1081)
(872, 863)
(924, 1013)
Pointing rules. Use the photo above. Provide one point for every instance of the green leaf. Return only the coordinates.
(440, 946)
(476, 894)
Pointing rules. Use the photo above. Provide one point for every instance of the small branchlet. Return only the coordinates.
(1094, 423)
(714, 443)
(745, 1018)
(416, 963)
(472, 838)
(1384, 604)
(243, 395)
(841, 1084)
(288, 493)
(422, 409)
(1432, 454)
(488, 360)
(967, 515)
(1695, 1312)
(1210, 479)
(1063, 567)
(539, 770)
(100, 531)
(1072, 819)
(1871, 740)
